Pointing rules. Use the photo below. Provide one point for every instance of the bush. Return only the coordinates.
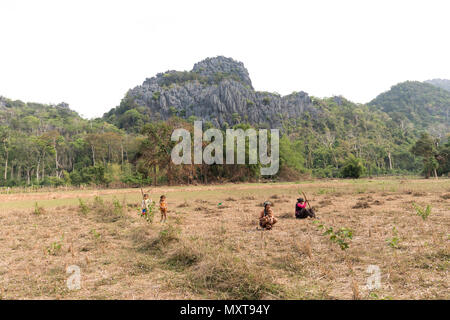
(342, 236)
(107, 211)
(422, 212)
(75, 178)
(93, 174)
(353, 168)
(66, 178)
(328, 172)
(179, 77)
(394, 241)
(132, 177)
(52, 181)
(156, 95)
(38, 210)
(83, 207)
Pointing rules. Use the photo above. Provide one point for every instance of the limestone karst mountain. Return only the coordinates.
(218, 90)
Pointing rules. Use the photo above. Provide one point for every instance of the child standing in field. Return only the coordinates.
(163, 208)
(146, 202)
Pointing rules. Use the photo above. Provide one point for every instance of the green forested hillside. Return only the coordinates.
(416, 104)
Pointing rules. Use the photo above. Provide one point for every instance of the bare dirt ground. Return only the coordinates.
(210, 246)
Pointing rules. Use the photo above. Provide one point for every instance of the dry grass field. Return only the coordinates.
(210, 247)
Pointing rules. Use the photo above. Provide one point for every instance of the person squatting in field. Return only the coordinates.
(300, 210)
(163, 208)
(266, 218)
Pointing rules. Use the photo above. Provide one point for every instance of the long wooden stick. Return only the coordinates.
(306, 200)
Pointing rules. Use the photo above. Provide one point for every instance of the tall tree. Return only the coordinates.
(425, 147)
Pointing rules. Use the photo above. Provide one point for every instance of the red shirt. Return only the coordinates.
(301, 205)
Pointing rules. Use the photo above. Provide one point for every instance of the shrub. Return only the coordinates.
(353, 168)
(393, 242)
(172, 111)
(55, 248)
(180, 77)
(118, 207)
(38, 210)
(75, 178)
(93, 174)
(52, 181)
(107, 211)
(150, 213)
(342, 237)
(236, 117)
(83, 207)
(422, 212)
(156, 95)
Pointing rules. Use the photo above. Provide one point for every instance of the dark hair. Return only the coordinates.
(145, 194)
(300, 200)
(163, 196)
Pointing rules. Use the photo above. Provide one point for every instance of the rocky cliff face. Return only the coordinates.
(218, 90)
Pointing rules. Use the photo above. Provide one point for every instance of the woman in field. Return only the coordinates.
(266, 217)
(300, 210)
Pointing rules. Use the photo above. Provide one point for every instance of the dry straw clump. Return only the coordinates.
(185, 204)
(231, 278)
(361, 205)
(303, 247)
(147, 243)
(325, 203)
(184, 256)
(287, 215)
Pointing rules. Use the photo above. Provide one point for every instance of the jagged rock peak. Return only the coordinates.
(211, 67)
(208, 71)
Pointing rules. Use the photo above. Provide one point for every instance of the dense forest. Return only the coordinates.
(402, 131)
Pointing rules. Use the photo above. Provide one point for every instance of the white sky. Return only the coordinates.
(89, 53)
